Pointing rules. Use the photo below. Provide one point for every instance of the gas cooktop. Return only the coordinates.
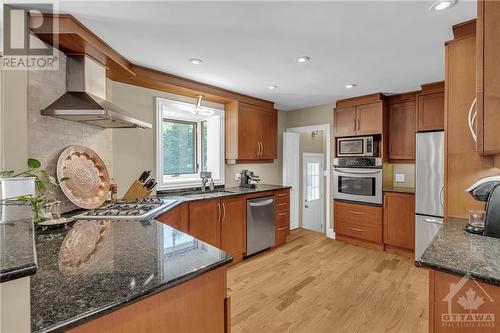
(137, 209)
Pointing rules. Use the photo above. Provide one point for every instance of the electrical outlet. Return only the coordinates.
(237, 176)
(400, 178)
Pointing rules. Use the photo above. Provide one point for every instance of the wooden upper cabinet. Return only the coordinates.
(251, 133)
(366, 119)
(204, 221)
(233, 220)
(369, 118)
(430, 111)
(402, 130)
(345, 121)
(487, 109)
(399, 220)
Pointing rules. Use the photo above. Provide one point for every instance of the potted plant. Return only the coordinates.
(42, 192)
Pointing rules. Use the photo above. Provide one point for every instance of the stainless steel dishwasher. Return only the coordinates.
(260, 224)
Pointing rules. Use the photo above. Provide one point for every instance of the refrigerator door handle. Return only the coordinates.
(431, 220)
(441, 196)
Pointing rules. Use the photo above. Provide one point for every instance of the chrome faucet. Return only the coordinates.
(205, 176)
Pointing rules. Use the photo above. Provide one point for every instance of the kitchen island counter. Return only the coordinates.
(128, 260)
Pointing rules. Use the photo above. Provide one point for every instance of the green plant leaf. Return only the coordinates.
(6, 173)
(34, 164)
(64, 179)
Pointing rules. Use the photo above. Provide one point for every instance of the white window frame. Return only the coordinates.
(185, 180)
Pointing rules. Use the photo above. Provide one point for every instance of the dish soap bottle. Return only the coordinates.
(113, 190)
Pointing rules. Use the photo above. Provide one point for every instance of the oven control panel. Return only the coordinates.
(357, 162)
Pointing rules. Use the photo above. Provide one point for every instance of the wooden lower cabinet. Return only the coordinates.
(460, 305)
(399, 221)
(197, 305)
(358, 223)
(204, 221)
(177, 218)
(233, 227)
(282, 203)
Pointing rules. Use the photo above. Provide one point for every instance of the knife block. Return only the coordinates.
(136, 191)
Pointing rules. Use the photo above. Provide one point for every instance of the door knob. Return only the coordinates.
(306, 206)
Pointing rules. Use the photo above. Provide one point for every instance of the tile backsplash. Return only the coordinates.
(408, 172)
(48, 137)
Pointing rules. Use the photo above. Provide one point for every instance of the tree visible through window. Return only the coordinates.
(204, 146)
(179, 147)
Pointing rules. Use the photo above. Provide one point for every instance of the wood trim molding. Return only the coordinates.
(359, 100)
(401, 98)
(431, 88)
(464, 29)
(67, 34)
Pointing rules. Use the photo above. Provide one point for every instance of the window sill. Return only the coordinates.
(184, 185)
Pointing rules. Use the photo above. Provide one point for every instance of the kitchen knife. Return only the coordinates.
(149, 183)
(144, 176)
(152, 186)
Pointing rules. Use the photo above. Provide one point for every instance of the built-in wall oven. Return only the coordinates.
(358, 179)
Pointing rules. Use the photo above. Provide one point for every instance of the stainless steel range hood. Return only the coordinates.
(85, 99)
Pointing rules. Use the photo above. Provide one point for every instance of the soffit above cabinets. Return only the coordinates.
(67, 34)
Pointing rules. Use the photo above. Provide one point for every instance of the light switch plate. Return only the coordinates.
(237, 176)
(400, 178)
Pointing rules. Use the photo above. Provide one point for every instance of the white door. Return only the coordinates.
(313, 187)
(291, 173)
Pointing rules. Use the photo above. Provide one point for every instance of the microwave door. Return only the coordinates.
(351, 147)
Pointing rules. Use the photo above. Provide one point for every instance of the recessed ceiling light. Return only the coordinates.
(350, 86)
(442, 5)
(196, 61)
(303, 59)
(273, 87)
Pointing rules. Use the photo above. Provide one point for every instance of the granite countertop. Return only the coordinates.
(128, 260)
(219, 193)
(17, 252)
(398, 189)
(458, 252)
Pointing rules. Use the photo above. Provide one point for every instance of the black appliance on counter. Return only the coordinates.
(487, 190)
(248, 179)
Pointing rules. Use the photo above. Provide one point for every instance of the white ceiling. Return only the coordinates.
(386, 46)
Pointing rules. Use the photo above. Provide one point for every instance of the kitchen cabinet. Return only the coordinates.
(366, 119)
(402, 129)
(197, 305)
(233, 220)
(399, 220)
(358, 223)
(430, 110)
(251, 133)
(282, 202)
(177, 218)
(446, 292)
(464, 165)
(485, 117)
(204, 221)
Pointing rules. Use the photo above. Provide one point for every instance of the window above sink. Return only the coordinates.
(188, 141)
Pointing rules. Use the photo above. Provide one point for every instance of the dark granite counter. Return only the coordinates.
(17, 251)
(455, 251)
(397, 189)
(221, 193)
(91, 268)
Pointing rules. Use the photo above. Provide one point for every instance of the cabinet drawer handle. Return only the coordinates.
(282, 195)
(282, 204)
(282, 214)
(356, 229)
(356, 213)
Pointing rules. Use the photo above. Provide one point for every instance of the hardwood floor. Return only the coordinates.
(314, 284)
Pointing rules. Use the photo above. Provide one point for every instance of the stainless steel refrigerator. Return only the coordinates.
(429, 182)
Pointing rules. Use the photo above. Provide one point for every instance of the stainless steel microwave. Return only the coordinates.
(357, 146)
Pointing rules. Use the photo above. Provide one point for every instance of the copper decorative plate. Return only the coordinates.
(88, 183)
